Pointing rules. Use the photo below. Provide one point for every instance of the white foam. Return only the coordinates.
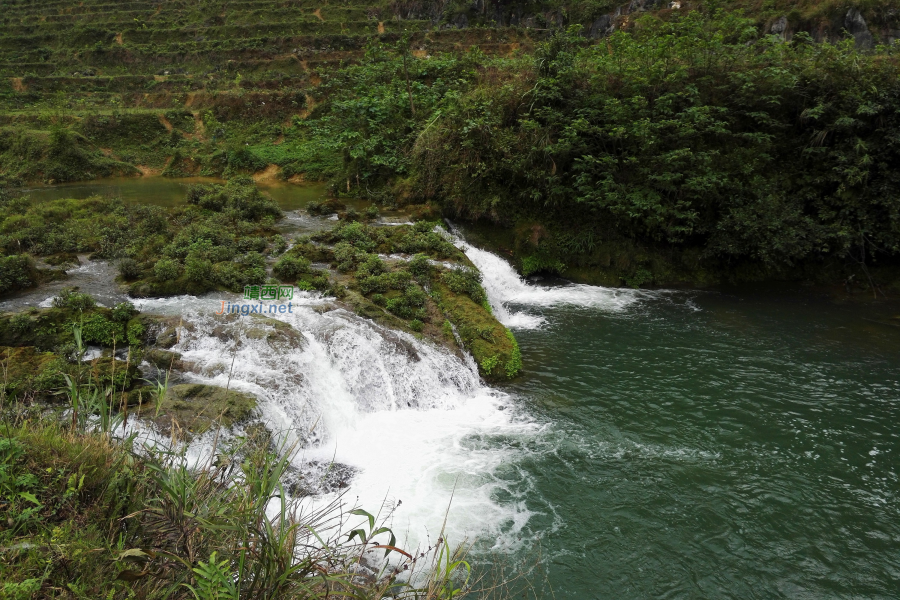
(505, 287)
(398, 410)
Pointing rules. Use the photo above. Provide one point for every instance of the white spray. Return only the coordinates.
(399, 412)
(506, 288)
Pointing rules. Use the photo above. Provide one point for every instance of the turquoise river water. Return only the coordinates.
(713, 445)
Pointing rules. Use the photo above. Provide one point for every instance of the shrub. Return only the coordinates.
(73, 300)
(20, 323)
(371, 213)
(166, 269)
(129, 269)
(98, 329)
(230, 276)
(239, 195)
(123, 311)
(288, 268)
(372, 265)
(16, 272)
(279, 244)
(420, 267)
(415, 296)
(465, 281)
(346, 256)
(537, 263)
(197, 268)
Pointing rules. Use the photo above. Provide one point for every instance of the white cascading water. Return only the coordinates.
(505, 287)
(412, 421)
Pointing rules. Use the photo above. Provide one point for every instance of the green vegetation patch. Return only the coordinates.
(219, 240)
(57, 156)
(431, 289)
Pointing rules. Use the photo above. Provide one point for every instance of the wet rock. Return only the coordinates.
(319, 478)
(160, 331)
(327, 207)
(278, 334)
(856, 26)
(194, 408)
(164, 359)
(401, 346)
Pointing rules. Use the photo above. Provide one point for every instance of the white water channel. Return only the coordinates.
(506, 288)
(413, 422)
(409, 425)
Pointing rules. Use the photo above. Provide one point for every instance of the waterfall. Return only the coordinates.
(507, 288)
(401, 420)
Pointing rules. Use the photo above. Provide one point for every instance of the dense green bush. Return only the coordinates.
(16, 272)
(288, 268)
(696, 131)
(465, 281)
(97, 329)
(129, 269)
(166, 269)
(73, 300)
(240, 195)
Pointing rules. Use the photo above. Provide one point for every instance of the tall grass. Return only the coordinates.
(93, 515)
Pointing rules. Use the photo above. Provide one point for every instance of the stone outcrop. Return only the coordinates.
(856, 26)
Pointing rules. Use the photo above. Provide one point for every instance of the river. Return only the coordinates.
(661, 444)
(707, 445)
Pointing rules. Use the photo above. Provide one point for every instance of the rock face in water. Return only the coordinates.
(194, 408)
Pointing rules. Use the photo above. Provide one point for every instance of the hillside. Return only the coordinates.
(177, 87)
(644, 143)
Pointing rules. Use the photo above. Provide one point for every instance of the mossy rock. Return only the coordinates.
(278, 334)
(46, 329)
(326, 207)
(195, 408)
(163, 359)
(28, 371)
(160, 331)
(31, 372)
(313, 252)
(491, 344)
(64, 259)
(107, 371)
(151, 288)
(51, 328)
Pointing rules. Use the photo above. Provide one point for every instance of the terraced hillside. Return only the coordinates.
(96, 88)
(139, 86)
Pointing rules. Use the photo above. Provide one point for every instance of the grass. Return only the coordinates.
(87, 516)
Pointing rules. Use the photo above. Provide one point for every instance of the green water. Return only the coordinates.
(707, 445)
(164, 191)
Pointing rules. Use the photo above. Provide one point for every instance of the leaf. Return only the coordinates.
(136, 555)
(395, 548)
(132, 575)
(362, 513)
(30, 497)
(357, 532)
